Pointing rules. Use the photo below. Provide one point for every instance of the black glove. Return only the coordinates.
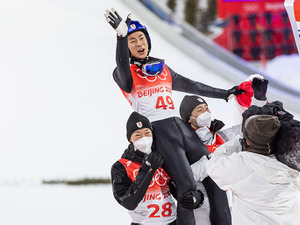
(233, 91)
(153, 160)
(259, 87)
(116, 21)
(191, 199)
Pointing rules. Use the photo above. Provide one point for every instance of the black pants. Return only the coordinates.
(179, 146)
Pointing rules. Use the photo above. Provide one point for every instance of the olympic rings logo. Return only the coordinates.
(162, 76)
(159, 177)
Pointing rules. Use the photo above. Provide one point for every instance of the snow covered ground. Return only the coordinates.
(62, 115)
(60, 205)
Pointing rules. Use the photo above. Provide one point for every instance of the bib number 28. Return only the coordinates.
(166, 210)
(166, 103)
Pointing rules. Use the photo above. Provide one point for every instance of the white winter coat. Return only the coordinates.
(199, 172)
(264, 190)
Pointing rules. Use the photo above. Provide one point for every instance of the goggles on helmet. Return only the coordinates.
(153, 68)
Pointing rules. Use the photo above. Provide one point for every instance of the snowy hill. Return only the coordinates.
(62, 115)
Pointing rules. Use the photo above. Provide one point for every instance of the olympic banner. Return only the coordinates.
(293, 10)
(226, 8)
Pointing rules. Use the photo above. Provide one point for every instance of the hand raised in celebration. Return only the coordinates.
(116, 21)
(259, 87)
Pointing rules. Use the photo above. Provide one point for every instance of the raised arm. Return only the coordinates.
(121, 74)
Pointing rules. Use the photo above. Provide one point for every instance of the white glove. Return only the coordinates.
(255, 76)
(115, 20)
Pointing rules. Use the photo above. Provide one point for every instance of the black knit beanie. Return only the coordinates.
(188, 104)
(136, 121)
(260, 131)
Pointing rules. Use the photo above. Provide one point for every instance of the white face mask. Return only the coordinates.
(204, 119)
(144, 144)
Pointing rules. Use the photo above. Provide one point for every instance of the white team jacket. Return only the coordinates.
(264, 190)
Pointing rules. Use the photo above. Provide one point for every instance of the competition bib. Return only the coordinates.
(157, 206)
(151, 96)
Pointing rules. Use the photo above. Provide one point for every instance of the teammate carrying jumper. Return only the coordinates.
(139, 183)
(194, 111)
(147, 83)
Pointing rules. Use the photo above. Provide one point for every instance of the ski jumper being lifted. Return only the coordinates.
(147, 84)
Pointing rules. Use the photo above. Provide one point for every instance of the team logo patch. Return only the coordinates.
(133, 27)
(200, 100)
(139, 124)
(128, 163)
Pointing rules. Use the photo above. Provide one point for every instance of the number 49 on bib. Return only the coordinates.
(165, 104)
